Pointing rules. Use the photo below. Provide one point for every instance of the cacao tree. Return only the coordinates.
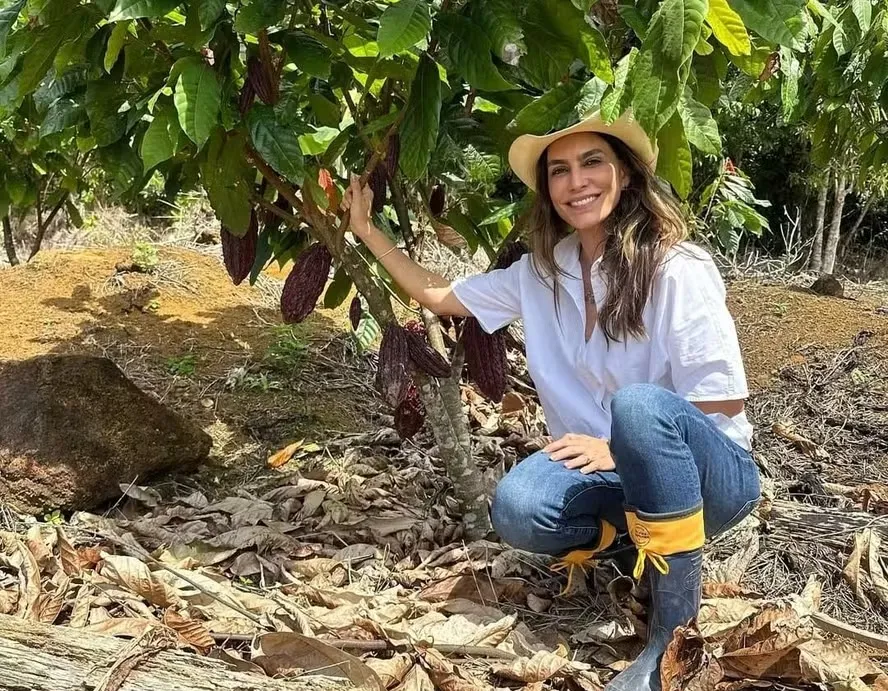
(267, 105)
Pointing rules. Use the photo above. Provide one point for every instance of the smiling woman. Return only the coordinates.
(634, 357)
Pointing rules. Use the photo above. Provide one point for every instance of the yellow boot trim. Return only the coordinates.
(585, 558)
(656, 539)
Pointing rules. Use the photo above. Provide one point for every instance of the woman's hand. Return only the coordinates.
(589, 454)
(359, 202)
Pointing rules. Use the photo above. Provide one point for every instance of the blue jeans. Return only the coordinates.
(670, 460)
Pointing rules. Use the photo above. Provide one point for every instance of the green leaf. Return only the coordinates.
(368, 330)
(315, 143)
(590, 97)
(613, 104)
(553, 110)
(674, 160)
(325, 111)
(209, 11)
(655, 91)
(39, 56)
(595, 53)
(728, 27)
(863, 11)
(699, 126)
(103, 100)
(419, 131)
(8, 17)
(61, 115)
(115, 44)
(469, 50)
(499, 20)
(338, 289)
(226, 177)
(161, 140)
(277, 145)
(789, 85)
(73, 213)
(198, 98)
(259, 14)
(675, 29)
(778, 21)
(308, 54)
(135, 9)
(402, 26)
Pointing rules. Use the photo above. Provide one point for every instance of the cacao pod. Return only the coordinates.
(377, 182)
(355, 310)
(392, 154)
(485, 359)
(259, 78)
(392, 375)
(247, 94)
(423, 356)
(437, 200)
(510, 254)
(239, 253)
(305, 283)
(409, 413)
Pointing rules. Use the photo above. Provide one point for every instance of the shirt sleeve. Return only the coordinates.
(697, 332)
(493, 298)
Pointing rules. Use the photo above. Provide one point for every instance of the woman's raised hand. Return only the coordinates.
(359, 202)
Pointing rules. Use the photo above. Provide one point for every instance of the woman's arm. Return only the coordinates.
(429, 289)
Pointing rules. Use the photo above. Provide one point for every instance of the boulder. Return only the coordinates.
(73, 427)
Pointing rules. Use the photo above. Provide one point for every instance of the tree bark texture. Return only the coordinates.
(816, 260)
(9, 242)
(445, 413)
(851, 235)
(831, 243)
(44, 223)
(40, 657)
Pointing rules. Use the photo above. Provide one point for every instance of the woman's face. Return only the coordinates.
(585, 179)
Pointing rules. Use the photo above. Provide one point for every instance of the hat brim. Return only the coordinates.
(527, 149)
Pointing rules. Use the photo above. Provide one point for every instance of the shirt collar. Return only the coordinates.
(567, 256)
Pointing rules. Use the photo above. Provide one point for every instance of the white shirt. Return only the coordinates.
(690, 347)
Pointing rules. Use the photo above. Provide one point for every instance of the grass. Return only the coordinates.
(287, 352)
(182, 366)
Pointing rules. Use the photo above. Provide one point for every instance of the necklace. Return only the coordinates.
(590, 296)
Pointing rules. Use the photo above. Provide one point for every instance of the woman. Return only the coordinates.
(635, 359)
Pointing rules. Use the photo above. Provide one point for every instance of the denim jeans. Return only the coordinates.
(670, 459)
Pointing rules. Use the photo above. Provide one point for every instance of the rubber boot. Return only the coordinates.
(673, 546)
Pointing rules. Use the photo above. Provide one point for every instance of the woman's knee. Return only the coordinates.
(521, 513)
(638, 411)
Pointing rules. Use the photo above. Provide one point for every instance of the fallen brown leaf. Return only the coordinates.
(124, 626)
(68, 556)
(393, 670)
(190, 631)
(803, 444)
(134, 574)
(36, 545)
(476, 588)
(446, 676)
(282, 456)
(292, 653)
(541, 667)
(416, 680)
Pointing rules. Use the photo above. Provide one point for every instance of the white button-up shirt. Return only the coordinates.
(690, 346)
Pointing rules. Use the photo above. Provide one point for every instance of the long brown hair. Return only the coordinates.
(644, 225)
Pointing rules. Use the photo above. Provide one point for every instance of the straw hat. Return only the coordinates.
(527, 149)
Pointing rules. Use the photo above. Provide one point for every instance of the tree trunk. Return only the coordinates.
(9, 242)
(831, 244)
(851, 235)
(39, 657)
(454, 440)
(43, 224)
(816, 259)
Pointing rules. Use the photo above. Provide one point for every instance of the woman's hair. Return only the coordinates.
(643, 226)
